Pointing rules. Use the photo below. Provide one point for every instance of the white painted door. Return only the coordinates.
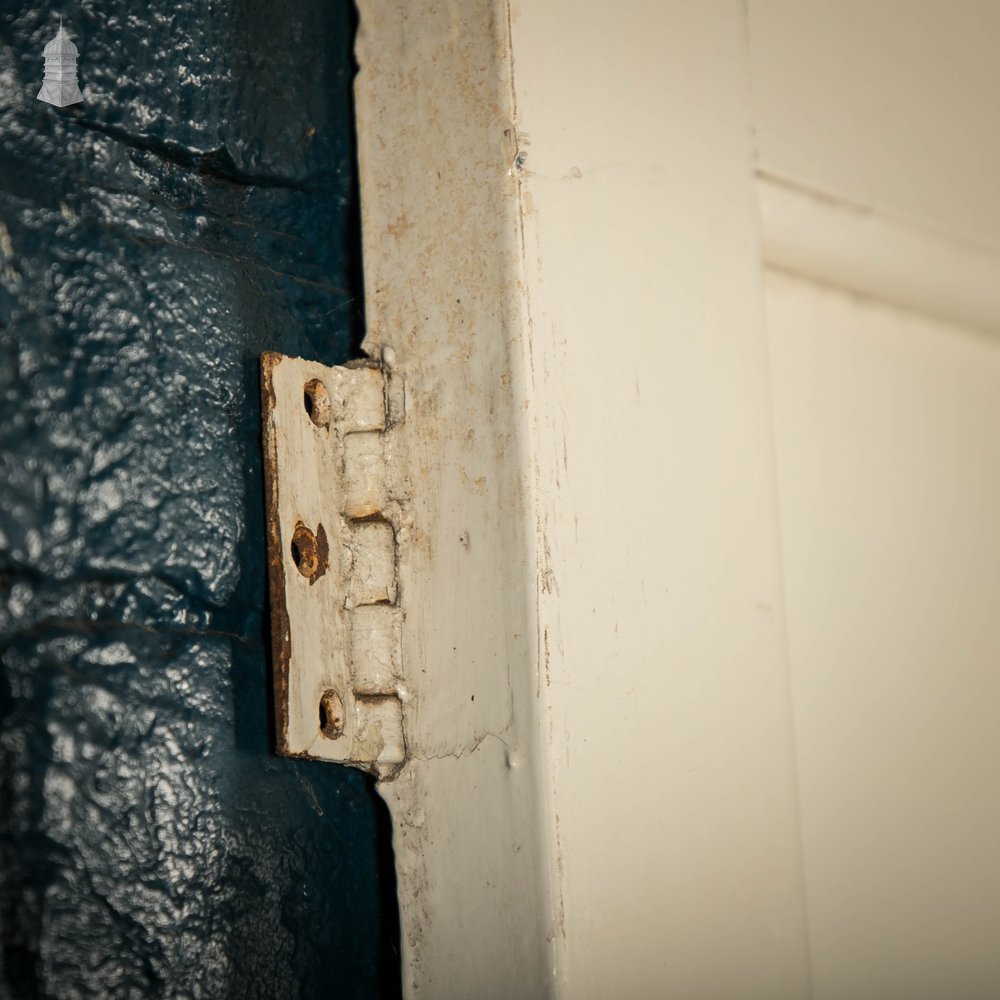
(615, 253)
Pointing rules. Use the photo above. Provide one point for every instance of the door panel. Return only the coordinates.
(889, 486)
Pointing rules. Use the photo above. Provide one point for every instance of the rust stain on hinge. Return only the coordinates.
(281, 639)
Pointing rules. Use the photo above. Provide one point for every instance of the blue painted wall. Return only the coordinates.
(199, 207)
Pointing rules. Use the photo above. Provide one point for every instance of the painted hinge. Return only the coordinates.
(334, 513)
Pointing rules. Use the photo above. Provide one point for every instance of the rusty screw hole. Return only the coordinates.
(316, 401)
(331, 715)
(310, 552)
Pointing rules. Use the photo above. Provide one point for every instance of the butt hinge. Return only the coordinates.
(334, 513)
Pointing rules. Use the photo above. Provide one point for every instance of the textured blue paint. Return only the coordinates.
(197, 208)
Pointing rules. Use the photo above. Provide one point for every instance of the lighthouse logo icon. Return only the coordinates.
(59, 86)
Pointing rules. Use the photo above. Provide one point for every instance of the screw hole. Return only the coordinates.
(310, 552)
(331, 715)
(316, 401)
